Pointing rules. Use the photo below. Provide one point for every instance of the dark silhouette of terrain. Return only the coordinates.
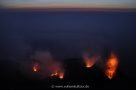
(75, 74)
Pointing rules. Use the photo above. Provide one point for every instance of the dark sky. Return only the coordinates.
(67, 34)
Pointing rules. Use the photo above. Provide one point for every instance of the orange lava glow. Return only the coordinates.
(111, 66)
(89, 63)
(54, 74)
(61, 75)
(36, 67)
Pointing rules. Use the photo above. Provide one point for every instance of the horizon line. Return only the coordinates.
(70, 9)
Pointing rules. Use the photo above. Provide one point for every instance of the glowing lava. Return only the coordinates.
(111, 66)
(89, 61)
(61, 75)
(54, 74)
(35, 67)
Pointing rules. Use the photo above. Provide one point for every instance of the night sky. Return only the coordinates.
(67, 34)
